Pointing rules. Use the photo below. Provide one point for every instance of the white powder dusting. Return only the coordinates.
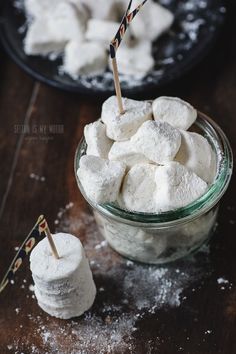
(224, 284)
(100, 245)
(37, 177)
(222, 281)
(31, 287)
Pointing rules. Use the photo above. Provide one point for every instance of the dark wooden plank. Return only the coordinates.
(15, 94)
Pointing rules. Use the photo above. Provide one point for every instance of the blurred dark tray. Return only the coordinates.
(175, 53)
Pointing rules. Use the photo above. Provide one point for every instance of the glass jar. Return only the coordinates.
(165, 237)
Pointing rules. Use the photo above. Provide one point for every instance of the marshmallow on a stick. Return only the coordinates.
(124, 151)
(177, 186)
(138, 189)
(101, 179)
(157, 140)
(196, 154)
(64, 287)
(173, 110)
(98, 144)
(84, 58)
(122, 127)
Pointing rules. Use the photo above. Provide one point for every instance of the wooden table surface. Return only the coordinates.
(191, 308)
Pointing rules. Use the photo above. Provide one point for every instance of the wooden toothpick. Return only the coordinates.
(114, 45)
(51, 242)
(117, 85)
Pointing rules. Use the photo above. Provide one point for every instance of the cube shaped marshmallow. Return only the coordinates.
(98, 144)
(101, 179)
(196, 154)
(157, 140)
(173, 110)
(177, 186)
(84, 59)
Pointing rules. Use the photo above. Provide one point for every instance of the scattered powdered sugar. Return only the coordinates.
(93, 333)
(37, 177)
(222, 281)
(31, 287)
(224, 284)
(62, 211)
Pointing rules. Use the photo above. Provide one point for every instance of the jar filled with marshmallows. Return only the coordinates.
(154, 177)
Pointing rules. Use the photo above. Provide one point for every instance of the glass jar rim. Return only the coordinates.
(183, 214)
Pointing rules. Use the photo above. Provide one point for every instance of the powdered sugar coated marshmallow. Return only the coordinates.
(174, 111)
(101, 31)
(122, 127)
(124, 151)
(50, 32)
(64, 287)
(84, 58)
(138, 190)
(98, 144)
(158, 141)
(100, 178)
(177, 186)
(197, 155)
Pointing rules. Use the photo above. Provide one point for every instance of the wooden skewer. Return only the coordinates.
(117, 86)
(52, 244)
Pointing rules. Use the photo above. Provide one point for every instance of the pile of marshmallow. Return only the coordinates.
(83, 29)
(64, 287)
(145, 160)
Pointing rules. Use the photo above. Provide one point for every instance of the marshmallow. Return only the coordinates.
(102, 9)
(50, 32)
(177, 186)
(67, 22)
(152, 22)
(64, 287)
(124, 151)
(101, 31)
(40, 40)
(84, 59)
(98, 144)
(136, 61)
(38, 8)
(138, 189)
(197, 155)
(122, 127)
(157, 140)
(101, 179)
(174, 111)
